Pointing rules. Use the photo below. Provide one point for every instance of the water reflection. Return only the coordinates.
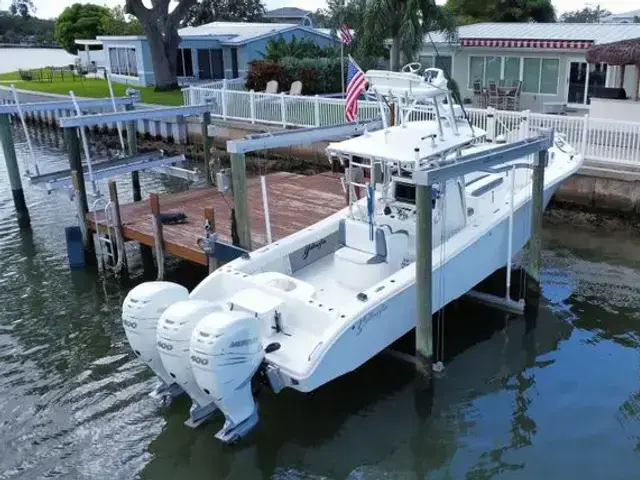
(559, 401)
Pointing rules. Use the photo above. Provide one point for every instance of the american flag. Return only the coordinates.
(356, 84)
(345, 35)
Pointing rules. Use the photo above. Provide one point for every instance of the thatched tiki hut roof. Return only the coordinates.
(622, 53)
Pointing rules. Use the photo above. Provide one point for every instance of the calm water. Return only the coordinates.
(562, 401)
(12, 59)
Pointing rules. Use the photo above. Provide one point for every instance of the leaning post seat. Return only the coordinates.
(362, 261)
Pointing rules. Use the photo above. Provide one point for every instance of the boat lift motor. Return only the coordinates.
(142, 308)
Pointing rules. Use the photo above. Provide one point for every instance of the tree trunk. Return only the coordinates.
(164, 51)
(161, 28)
(395, 54)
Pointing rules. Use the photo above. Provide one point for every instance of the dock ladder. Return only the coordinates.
(106, 247)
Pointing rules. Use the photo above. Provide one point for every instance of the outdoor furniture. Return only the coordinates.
(493, 99)
(479, 95)
(511, 97)
(296, 88)
(272, 87)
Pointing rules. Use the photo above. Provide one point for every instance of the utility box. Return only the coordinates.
(223, 180)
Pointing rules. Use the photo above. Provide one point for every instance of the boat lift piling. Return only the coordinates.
(13, 171)
(264, 141)
(133, 163)
(491, 161)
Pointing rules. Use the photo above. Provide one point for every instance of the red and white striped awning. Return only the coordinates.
(519, 43)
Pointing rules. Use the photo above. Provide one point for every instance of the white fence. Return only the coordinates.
(596, 139)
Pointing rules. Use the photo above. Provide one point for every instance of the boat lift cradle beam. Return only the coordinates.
(485, 161)
(424, 180)
(132, 116)
(110, 168)
(301, 136)
(12, 109)
(263, 141)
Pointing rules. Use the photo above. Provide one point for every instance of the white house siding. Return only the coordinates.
(143, 60)
(528, 100)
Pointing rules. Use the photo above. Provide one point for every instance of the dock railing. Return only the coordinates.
(601, 140)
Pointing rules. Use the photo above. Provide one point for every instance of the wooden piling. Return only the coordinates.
(121, 261)
(239, 182)
(13, 171)
(158, 237)
(533, 292)
(208, 143)
(132, 144)
(424, 284)
(209, 216)
(87, 237)
(75, 164)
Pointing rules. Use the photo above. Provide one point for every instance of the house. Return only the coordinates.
(289, 15)
(626, 17)
(209, 52)
(549, 59)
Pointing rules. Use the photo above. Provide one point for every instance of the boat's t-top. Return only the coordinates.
(377, 161)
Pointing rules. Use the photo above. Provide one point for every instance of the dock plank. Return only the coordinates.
(295, 202)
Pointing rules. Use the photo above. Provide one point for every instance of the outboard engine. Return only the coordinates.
(226, 352)
(173, 338)
(141, 310)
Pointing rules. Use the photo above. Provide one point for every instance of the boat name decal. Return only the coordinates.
(375, 313)
(313, 246)
(243, 343)
(165, 346)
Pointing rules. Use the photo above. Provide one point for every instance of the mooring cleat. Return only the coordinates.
(198, 415)
(231, 433)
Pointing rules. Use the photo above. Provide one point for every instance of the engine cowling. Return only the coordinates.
(141, 310)
(173, 338)
(226, 352)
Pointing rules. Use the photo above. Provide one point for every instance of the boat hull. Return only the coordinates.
(388, 321)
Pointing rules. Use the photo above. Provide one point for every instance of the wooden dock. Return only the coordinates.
(295, 202)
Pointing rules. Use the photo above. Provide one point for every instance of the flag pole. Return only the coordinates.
(342, 66)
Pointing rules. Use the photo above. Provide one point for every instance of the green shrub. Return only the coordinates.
(318, 75)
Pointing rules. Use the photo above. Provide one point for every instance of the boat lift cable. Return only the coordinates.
(457, 92)
(115, 110)
(26, 132)
(85, 144)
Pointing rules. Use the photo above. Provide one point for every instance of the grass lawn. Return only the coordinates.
(90, 87)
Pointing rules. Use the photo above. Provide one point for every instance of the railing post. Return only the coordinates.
(252, 105)
(524, 124)
(491, 124)
(224, 99)
(316, 109)
(585, 133)
(283, 110)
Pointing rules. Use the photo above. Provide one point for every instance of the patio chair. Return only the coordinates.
(512, 101)
(296, 88)
(493, 99)
(479, 97)
(272, 87)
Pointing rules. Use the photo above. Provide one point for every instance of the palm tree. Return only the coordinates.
(405, 22)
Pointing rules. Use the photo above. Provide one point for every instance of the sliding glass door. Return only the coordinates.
(582, 78)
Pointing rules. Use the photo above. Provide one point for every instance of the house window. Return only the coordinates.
(538, 75)
(511, 70)
(443, 62)
(123, 61)
(185, 63)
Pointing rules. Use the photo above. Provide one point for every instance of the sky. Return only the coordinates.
(52, 8)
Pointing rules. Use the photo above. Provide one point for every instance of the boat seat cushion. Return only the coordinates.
(357, 235)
